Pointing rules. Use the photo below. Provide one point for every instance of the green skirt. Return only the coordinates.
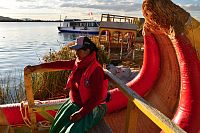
(62, 123)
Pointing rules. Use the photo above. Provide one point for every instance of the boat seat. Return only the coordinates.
(6, 129)
(116, 121)
(111, 123)
(101, 127)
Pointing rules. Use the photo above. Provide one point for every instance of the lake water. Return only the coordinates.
(25, 43)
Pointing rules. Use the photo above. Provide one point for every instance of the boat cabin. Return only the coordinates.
(80, 23)
(118, 35)
(80, 26)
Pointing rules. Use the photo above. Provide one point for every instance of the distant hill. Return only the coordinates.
(7, 19)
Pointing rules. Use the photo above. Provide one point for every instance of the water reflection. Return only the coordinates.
(67, 37)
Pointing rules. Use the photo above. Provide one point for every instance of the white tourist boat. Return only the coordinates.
(88, 26)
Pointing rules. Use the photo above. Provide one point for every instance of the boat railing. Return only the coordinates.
(119, 18)
(137, 101)
(34, 108)
(134, 100)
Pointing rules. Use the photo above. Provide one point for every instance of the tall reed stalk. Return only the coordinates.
(11, 87)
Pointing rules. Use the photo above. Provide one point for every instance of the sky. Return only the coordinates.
(56, 9)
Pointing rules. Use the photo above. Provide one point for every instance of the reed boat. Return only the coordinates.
(163, 97)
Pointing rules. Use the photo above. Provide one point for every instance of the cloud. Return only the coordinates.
(191, 7)
(127, 6)
(3, 8)
(114, 5)
(38, 4)
(34, 7)
(194, 1)
(26, 0)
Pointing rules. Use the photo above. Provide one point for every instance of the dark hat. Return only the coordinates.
(81, 42)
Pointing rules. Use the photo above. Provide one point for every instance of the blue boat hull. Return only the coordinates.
(78, 31)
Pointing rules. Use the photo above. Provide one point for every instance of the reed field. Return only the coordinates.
(47, 85)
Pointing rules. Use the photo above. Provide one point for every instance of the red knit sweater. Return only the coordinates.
(95, 83)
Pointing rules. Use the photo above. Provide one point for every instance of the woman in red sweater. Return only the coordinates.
(85, 106)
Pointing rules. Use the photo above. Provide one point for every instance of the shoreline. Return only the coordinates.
(35, 21)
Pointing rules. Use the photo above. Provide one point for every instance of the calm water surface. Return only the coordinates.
(25, 43)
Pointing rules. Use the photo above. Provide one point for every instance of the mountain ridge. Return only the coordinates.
(8, 19)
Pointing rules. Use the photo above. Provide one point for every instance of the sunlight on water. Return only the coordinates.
(24, 43)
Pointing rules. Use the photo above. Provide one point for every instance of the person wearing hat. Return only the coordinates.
(88, 85)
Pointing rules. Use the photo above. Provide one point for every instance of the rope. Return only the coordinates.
(44, 124)
(24, 113)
